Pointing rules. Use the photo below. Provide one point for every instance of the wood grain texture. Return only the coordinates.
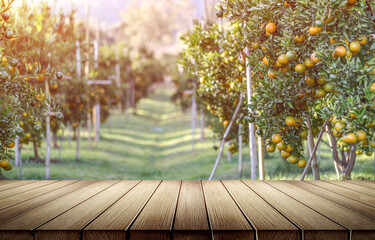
(15, 184)
(345, 192)
(113, 223)
(191, 220)
(368, 184)
(25, 206)
(346, 217)
(268, 223)
(39, 215)
(226, 219)
(13, 200)
(3, 182)
(25, 188)
(313, 224)
(354, 187)
(342, 200)
(156, 218)
(79, 216)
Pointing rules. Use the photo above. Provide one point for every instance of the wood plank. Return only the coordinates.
(68, 225)
(25, 206)
(113, 223)
(156, 219)
(25, 188)
(359, 225)
(3, 182)
(226, 219)
(191, 220)
(354, 187)
(32, 219)
(10, 201)
(345, 192)
(268, 223)
(340, 199)
(15, 184)
(313, 224)
(363, 183)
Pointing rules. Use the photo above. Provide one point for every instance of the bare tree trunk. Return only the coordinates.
(261, 158)
(78, 142)
(310, 142)
(328, 128)
(350, 164)
(202, 123)
(54, 139)
(36, 153)
(240, 150)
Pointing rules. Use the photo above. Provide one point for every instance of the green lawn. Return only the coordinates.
(156, 144)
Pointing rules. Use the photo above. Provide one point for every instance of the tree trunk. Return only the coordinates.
(54, 139)
(310, 142)
(36, 153)
(350, 164)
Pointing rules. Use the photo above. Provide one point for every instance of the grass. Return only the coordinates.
(156, 144)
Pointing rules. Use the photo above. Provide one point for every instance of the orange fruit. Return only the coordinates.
(349, 54)
(321, 80)
(24, 114)
(255, 45)
(336, 134)
(272, 73)
(300, 68)
(352, 115)
(309, 63)
(283, 59)
(350, 138)
(276, 138)
(301, 163)
(303, 134)
(340, 51)
(320, 93)
(310, 80)
(281, 145)
(4, 163)
(265, 61)
(271, 27)
(284, 69)
(293, 159)
(268, 33)
(313, 30)
(291, 55)
(299, 38)
(225, 123)
(372, 144)
(362, 40)
(355, 47)
(339, 126)
(372, 87)
(290, 121)
(11, 144)
(289, 148)
(351, 2)
(284, 154)
(314, 58)
(298, 122)
(328, 87)
(332, 40)
(361, 135)
(271, 148)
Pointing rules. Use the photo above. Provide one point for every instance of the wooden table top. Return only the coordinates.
(155, 209)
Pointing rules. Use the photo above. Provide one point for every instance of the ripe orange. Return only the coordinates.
(340, 51)
(372, 144)
(314, 58)
(362, 40)
(281, 145)
(328, 87)
(271, 27)
(255, 45)
(289, 148)
(321, 80)
(336, 134)
(291, 55)
(225, 123)
(351, 2)
(361, 135)
(265, 61)
(349, 54)
(310, 80)
(301, 163)
(276, 138)
(372, 87)
(290, 121)
(293, 159)
(320, 93)
(268, 34)
(352, 115)
(4, 163)
(355, 47)
(277, 64)
(299, 38)
(11, 144)
(271, 148)
(339, 126)
(202, 80)
(24, 114)
(284, 154)
(283, 59)
(350, 138)
(272, 73)
(309, 63)
(300, 68)
(332, 40)
(313, 30)
(298, 122)
(284, 69)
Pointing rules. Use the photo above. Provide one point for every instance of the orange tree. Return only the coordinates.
(210, 57)
(310, 60)
(17, 96)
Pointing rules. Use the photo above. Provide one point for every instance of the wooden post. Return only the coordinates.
(97, 122)
(260, 159)
(87, 69)
(79, 74)
(202, 123)
(311, 146)
(252, 141)
(240, 149)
